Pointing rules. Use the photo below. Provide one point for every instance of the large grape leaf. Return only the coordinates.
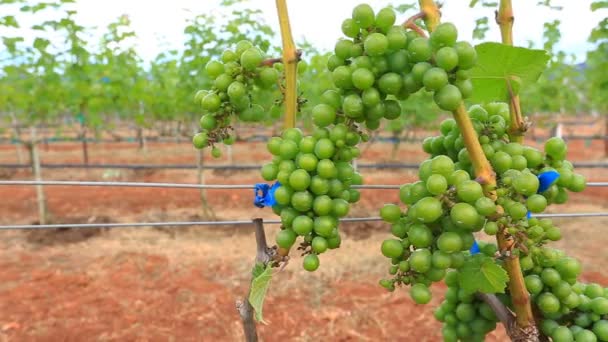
(481, 273)
(259, 286)
(500, 67)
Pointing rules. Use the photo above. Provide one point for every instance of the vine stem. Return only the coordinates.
(483, 170)
(505, 20)
(517, 287)
(243, 306)
(432, 16)
(290, 60)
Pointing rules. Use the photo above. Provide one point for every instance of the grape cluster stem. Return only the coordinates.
(411, 24)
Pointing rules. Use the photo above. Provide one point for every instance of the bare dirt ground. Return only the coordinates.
(180, 284)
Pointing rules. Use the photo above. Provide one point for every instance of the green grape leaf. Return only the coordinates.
(481, 273)
(259, 286)
(499, 65)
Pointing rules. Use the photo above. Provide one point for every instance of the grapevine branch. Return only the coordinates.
(242, 305)
(503, 314)
(505, 19)
(517, 287)
(272, 61)
(290, 60)
(432, 16)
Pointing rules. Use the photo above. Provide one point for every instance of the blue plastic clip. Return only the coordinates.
(264, 194)
(546, 179)
(475, 248)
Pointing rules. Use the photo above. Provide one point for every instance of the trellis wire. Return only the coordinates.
(192, 186)
(161, 224)
(228, 222)
(233, 167)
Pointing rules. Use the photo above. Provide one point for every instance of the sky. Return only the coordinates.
(318, 21)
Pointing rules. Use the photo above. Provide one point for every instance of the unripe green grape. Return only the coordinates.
(517, 211)
(578, 183)
(445, 34)
(449, 242)
(236, 90)
(200, 140)
(391, 248)
(469, 191)
(390, 83)
(465, 87)
(333, 62)
(562, 334)
(286, 238)
(324, 226)
(467, 55)
(420, 293)
(269, 171)
(356, 50)
(342, 77)
(420, 236)
(214, 69)
(421, 260)
(342, 48)
(448, 98)
(436, 184)
(536, 203)
(490, 228)
(324, 148)
(427, 210)
(268, 77)
(556, 148)
(229, 56)
(363, 15)
(464, 215)
(375, 44)
(301, 225)
(323, 115)
(526, 184)
(350, 28)
(352, 106)
(390, 213)
(211, 102)
(311, 262)
(434, 79)
(385, 18)
(600, 328)
(363, 78)
(447, 58)
(319, 245)
(251, 58)
(419, 50)
(216, 152)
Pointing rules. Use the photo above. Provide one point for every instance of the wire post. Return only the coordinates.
(40, 198)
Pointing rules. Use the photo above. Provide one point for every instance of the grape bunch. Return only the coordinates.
(448, 204)
(380, 63)
(236, 78)
(315, 192)
(571, 310)
(445, 207)
(464, 315)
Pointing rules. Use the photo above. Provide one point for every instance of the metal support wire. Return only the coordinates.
(193, 186)
(162, 224)
(164, 185)
(231, 222)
